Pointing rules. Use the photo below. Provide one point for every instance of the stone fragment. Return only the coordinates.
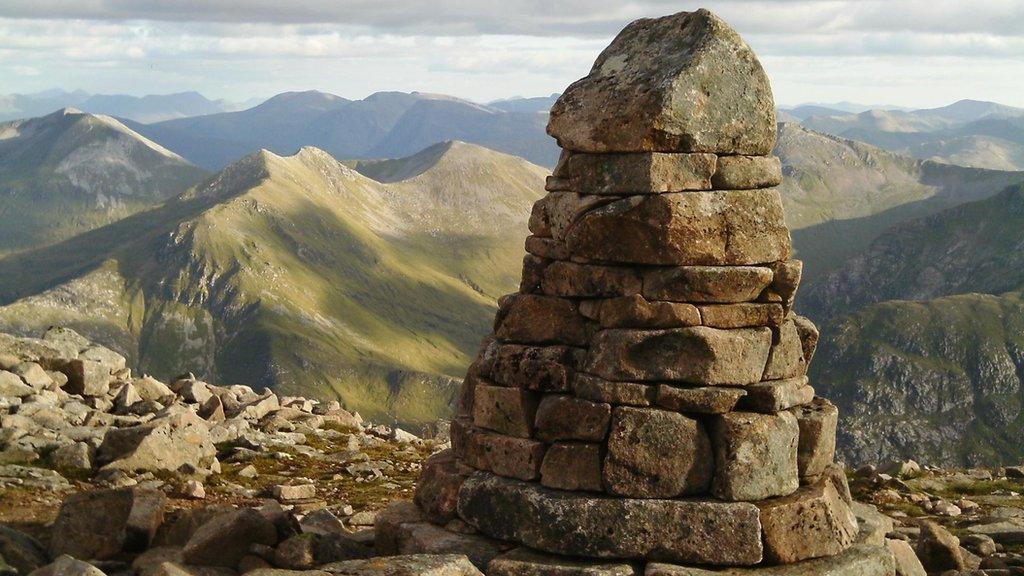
(505, 410)
(702, 400)
(755, 455)
(12, 386)
(150, 388)
(637, 173)
(526, 562)
(777, 395)
(546, 248)
(627, 393)
(681, 83)
(785, 283)
(388, 525)
(939, 550)
(564, 417)
(401, 530)
(437, 492)
(812, 522)
(747, 172)
(100, 524)
(533, 273)
(74, 456)
(530, 319)
(170, 443)
(543, 368)
(698, 355)
(572, 466)
(580, 524)
(720, 228)
(712, 284)
(227, 537)
(293, 492)
(786, 359)
(656, 454)
(407, 565)
(85, 377)
(504, 455)
(907, 562)
(553, 214)
(874, 526)
(20, 552)
(742, 315)
(33, 375)
(637, 312)
(808, 337)
(817, 447)
(65, 565)
(858, 560)
(589, 281)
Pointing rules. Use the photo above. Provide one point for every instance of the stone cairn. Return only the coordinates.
(644, 395)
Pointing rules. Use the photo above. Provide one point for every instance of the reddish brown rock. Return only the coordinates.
(742, 315)
(563, 417)
(681, 83)
(553, 214)
(619, 393)
(530, 319)
(533, 273)
(544, 368)
(572, 466)
(437, 491)
(656, 454)
(702, 400)
(755, 455)
(698, 355)
(812, 522)
(637, 173)
(526, 562)
(585, 281)
(637, 312)
(747, 172)
(714, 284)
(720, 228)
(101, 524)
(508, 411)
(817, 447)
(546, 248)
(503, 455)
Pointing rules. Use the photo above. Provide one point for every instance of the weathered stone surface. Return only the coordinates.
(786, 359)
(579, 524)
(777, 395)
(544, 368)
(873, 524)
(572, 466)
(86, 377)
(437, 491)
(505, 410)
(637, 173)
(589, 281)
(939, 550)
(65, 565)
(625, 393)
(563, 417)
(637, 312)
(681, 83)
(755, 455)
(504, 455)
(714, 284)
(407, 565)
(169, 443)
(426, 538)
(530, 319)
(553, 214)
(817, 447)
(227, 537)
(656, 454)
(907, 562)
(526, 562)
(20, 551)
(12, 386)
(785, 283)
(720, 228)
(808, 337)
(100, 524)
(533, 273)
(703, 400)
(388, 524)
(546, 248)
(698, 355)
(812, 522)
(747, 172)
(742, 315)
(858, 560)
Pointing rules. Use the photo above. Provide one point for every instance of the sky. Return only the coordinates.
(896, 52)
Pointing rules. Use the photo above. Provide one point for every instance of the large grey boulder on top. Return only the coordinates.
(681, 83)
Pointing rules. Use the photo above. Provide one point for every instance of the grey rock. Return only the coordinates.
(409, 565)
(755, 455)
(526, 562)
(102, 523)
(227, 537)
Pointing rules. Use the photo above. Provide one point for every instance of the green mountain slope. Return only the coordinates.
(302, 274)
(69, 172)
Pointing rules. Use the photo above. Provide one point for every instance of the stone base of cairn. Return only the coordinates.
(643, 406)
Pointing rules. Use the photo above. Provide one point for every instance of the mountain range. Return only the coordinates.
(152, 108)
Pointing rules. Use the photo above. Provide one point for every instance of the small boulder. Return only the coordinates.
(226, 538)
(100, 524)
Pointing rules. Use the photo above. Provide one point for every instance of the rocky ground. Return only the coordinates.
(105, 473)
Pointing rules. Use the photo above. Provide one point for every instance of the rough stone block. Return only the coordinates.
(531, 319)
(698, 355)
(817, 446)
(812, 522)
(564, 417)
(656, 454)
(508, 411)
(580, 524)
(747, 172)
(572, 466)
(543, 368)
(755, 455)
(785, 283)
(777, 395)
(713, 284)
(533, 274)
(858, 560)
(786, 359)
(618, 393)
(526, 562)
(585, 281)
(721, 228)
(681, 83)
(637, 173)
(553, 214)
(546, 248)
(742, 315)
(504, 455)
(637, 312)
(702, 400)
(409, 564)
(437, 491)
(808, 337)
